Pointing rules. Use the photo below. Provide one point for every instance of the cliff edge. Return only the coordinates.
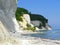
(29, 21)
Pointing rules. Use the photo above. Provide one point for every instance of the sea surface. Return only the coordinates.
(47, 34)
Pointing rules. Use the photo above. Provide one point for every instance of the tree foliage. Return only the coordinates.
(20, 12)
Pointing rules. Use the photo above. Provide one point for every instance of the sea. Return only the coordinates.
(47, 34)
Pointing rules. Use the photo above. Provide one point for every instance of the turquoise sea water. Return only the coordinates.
(48, 34)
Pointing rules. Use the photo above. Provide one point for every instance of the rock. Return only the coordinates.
(7, 15)
(8, 22)
(40, 21)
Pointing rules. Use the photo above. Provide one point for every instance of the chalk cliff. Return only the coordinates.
(36, 21)
(40, 21)
(7, 15)
(8, 22)
(26, 24)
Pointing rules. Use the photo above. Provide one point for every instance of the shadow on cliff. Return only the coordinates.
(7, 21)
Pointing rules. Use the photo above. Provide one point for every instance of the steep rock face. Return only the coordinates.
(40, 21)
(25, 20)
(8, 22)
(26, 17)
(7, 15)
(26, 23)
(3, 32)
(34, 19)
(37, 24)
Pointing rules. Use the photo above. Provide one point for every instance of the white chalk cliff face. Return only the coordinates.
(26, 19)
(7, 15)
(37, 23)
(8, 22)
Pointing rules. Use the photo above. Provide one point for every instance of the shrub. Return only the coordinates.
(29, 27)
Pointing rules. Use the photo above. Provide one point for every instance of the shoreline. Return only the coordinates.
(37, 41)
(18, 39)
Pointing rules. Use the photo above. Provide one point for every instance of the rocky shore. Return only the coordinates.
(29, 41)
(18, 39)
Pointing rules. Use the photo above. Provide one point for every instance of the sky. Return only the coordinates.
(48, 8)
